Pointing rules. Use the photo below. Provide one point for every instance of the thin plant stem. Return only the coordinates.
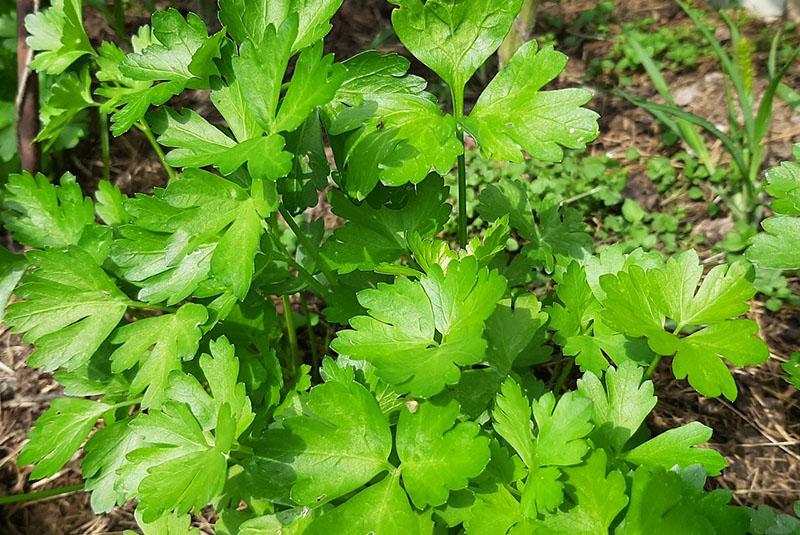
(145, 128)
(146, 306)
(312, 339)
(302, 272)
(562, 377)
(40, 495)
(648, 374)
(105, 146)
(127, 403)
(291, 332)
(458, 113)
(309, 247)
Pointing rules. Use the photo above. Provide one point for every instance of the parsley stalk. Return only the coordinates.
(457, 97)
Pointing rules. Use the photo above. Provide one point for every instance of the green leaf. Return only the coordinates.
(110, 204)
(376, 233)
(314, 83)
(43, 215)
(140, 258)
(511, 329)
(249, 19)
(287, 522)
(385, 127)
(544, 122)
(105, 453)
(199, 144)
(310, 169)
(12, 267)
(58, 434)
(68, 97)
(556, 233)
(454, 38)
(221, 370)
(664, 501)
(426, 441)
(157, 345)
(69, 307)
(400, 336)
(259, 69)
(561, 429)
(511, 419)
(180, 468)
(638, 302)
(380, 508)
(339, 443)
(598, 496)
(168, 524)
(213, 224)
(178, 54)
(678, 447)
(58, 37)
(622, 405)
(777, 246)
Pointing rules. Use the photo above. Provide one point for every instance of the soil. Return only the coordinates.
(759, 433)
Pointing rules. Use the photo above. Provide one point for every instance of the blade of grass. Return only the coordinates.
(730, 145)
(683, 129)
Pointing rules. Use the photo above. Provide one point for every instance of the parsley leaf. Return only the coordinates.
(179, 467)
(426, 440)
(69, 307)
(379, 234)
(43, 215)
(339, 443)
(382, 110)
(58, 37)
(407, 319)
(677, 446)
(250, 19)
(637, 303)
(543, 121)
(777, 247)
(157, 345)
(105, 453)
(454, 38)
(58, 434)
(380, 508)
(622, 405)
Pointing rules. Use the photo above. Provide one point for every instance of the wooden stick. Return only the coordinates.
(27, 101)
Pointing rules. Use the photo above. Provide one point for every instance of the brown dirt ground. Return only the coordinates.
(759, 433)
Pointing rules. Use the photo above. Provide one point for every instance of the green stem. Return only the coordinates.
(40, 495)
(105, 146)
(653, 365)
(562, 377)
(145, 128)
(145, 306)
(312, 340)
(458, 112)
(294, 349)
(302, 272)
(309, 247)
(127, 403)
